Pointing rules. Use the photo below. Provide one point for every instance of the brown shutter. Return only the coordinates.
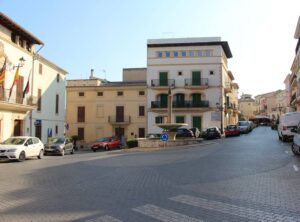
(56, 103)
(39, 103)
(81, 114)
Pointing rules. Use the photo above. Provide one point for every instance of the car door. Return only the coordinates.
(296, 139)
(29, 148)
(69, 145)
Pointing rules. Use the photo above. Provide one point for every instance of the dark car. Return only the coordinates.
(232, 130)
(182, 132)
(212, 133)
(59, 145)
(106, 143)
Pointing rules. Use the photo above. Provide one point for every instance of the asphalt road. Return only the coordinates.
(254, 177)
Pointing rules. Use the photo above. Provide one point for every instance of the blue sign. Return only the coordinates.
(164, 137)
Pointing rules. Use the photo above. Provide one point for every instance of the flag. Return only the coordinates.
(14, 82)
(2, 72)
(26, 89)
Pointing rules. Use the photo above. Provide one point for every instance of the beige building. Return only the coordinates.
(247, 106)
(98, 108)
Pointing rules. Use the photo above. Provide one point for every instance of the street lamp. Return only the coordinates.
(221, 108)
(21, 63)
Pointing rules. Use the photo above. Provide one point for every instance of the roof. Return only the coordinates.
(11, 25)
(177, 42)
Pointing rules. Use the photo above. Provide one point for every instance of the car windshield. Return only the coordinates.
(103, 139)
(56, 140)
(243, 124)
(211, 130)
(231, 127)
(14, 141)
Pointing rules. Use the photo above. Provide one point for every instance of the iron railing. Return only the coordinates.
(119, 119)
(196, 82)
(161, 83)
(183, 104)
(17, 98)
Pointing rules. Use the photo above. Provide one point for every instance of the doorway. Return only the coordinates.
(17, 127)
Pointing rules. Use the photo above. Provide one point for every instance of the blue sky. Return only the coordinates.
(112, 35)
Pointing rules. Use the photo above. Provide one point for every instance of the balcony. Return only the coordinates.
(196, 84)
(180, 106)
(16, 102)
(162, 84)
(293, 98)
(119, 120)
(293, 80)
(228, 87)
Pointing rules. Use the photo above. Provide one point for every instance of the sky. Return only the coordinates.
(109, 35)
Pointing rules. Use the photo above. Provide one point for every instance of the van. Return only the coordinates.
(288, 122)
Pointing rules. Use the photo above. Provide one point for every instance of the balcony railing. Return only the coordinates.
(119, 119)
(183, 104)
(17, 98)
(194, 82)
(294, 77)
(163, 83)
(230, 106)
(293, 97)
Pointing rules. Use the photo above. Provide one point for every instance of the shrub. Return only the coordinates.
(132, 143)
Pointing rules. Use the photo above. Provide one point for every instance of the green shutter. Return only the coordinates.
(163, 79)
(196, 99)
(163, 100)
(158, 119)
(179, 119)
(197, 122)
(196, 78)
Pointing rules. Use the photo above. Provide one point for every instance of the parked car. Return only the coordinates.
(21, 147)
(183, 132)
(244, 126)
(274, 124)
(59, 145)
(287, 122)
(232, 130)
(153, 135)
(106, 143)
(252, 125)
(296, 141)
(212, 133)
(196, 131)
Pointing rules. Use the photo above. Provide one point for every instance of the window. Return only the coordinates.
(28, 46)
(192, 54)
(179, 119)
(81, 93)
(57, 77)
(39, 102)
(168, 54)
(80, 132)
(40, 68)
(141, 110)
(208, 52)
(160, 54)
(180, 73)
(141, 93)
(120, 93)
(141, 132)
(159, 119)
(183, 54)
(81, 114)
(211, 72)
(199, 53)
(175, 54)
(56, 104)
(56, 129)
(99, 93)
(13, 37)
(21, 42)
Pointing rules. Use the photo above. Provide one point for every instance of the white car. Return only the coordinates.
(287, 124)
(21, 147)
(296, 141)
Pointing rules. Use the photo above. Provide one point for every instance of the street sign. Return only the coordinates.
(164, 137)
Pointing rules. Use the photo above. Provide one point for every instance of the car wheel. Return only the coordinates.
(22, 156)
(41, 154)
(106, 148)
(294, 150)
(72, 151)
(284, 139)
(62, 152)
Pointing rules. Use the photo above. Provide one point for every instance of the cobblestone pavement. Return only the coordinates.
(254, 177)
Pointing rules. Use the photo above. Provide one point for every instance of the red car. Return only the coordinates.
(232, 130)
(106, 143)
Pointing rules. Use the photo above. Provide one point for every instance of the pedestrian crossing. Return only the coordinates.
(167, 215)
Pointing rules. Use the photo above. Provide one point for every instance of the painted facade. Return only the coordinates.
(98, 108)
(196, 72)
(41, 111)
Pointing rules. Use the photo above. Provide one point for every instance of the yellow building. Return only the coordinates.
(231, 100)
(97, 107)
(247, 106)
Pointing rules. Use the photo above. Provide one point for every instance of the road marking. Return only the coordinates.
(295, 168)
(105, 218)
(252, 214)
(163, 214)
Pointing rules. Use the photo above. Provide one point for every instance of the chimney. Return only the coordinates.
(92, 74)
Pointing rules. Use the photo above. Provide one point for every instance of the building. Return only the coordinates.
(295, 73)
(247, 106)
(196, 72)
(35, 105)
(98, 108)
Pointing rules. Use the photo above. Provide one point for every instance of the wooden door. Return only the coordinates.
(119, 114)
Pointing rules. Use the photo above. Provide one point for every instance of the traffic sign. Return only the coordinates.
(164, 137)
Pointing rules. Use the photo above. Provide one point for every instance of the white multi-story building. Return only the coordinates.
(39, 111)
(196, 72)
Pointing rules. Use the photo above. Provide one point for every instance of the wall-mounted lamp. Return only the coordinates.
(21, 62)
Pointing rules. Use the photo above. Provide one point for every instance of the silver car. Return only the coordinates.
(59, 145)
(244, 126)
